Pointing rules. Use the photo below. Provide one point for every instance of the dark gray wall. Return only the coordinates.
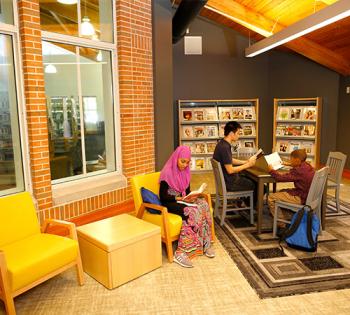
(162, 82)
(343, 128)
(291, 75)
(223, 72)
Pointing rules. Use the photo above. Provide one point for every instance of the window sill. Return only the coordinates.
(87, 187)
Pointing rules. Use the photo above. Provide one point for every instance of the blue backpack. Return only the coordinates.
(303, 230)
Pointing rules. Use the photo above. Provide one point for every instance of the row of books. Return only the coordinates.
(283, 146)
(296, 113)
(212, 113)
(211, 131)
(201, 147)
(200, 163)
(296, 130)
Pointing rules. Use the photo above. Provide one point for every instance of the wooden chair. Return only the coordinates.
(28, 256)
(335, 162)
(314, 198)
(170, 223)
(222, 195)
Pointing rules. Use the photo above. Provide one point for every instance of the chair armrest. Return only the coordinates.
(69, 225)
(288, 205)
(145, 205)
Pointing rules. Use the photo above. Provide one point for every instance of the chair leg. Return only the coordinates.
(79, 270)
(337, 198)
(217, 203)
(251, 209)
(9, 305)
(274, 230)
(5, 287)
(169, 249)
(224, 209)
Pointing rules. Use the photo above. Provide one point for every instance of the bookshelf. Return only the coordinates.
(201, 125)
(297, 125)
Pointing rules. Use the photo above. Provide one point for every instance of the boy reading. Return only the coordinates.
(301, 175)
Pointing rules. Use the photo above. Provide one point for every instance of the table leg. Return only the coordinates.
(274, 185)
(324, 207)
(260, 205)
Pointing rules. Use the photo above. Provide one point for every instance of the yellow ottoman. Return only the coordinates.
(119, 249)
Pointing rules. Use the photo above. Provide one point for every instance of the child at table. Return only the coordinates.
(301, 175)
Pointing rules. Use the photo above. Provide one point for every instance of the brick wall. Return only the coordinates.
(134, 33)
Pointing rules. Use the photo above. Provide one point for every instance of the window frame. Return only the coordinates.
(13, 31)
(77, 41)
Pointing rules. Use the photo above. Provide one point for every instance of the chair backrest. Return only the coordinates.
(220, 184)
(246, 153)
(149, 181)
(336, 162)
(18, 219)
(314, 197)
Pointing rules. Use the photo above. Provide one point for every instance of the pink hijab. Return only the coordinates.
(176, 179)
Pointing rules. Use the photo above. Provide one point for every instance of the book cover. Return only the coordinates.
(199, 131)
(281, 130)
(225, 113)
(295, 113)
(186, 114)
(294, 145)
(211, 147)
(248, 129)
(190, 145)
(283, 113)
(208, 162)
(193, 164)
(200, 164)
(249, 113)
(210, 114)
(198, 114)
(237, 113)
(235, 146)
(222, 131)
(211, 131)
(200, 148)
(282, 146)
(309, 113)
(187, 132)
(309, 130)
(309, 147)
(249, 143)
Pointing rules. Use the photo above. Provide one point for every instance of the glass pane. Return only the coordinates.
(11, 169)
(96, 74)
(61, 16)
(61, 88)
(6, 11)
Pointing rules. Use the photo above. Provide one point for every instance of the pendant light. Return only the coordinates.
(50, 68)
(87, 29)
(68, 1)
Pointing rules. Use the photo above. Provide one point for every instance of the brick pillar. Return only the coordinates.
(134, 36)
(30, 35)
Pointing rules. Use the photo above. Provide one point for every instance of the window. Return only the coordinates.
(11, 162)
(91, 19)
(78, 87)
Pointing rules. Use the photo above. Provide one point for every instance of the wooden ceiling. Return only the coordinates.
(329, 46)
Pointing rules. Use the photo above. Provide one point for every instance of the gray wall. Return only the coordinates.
(223, 72)
(343, 128)
(163, 80)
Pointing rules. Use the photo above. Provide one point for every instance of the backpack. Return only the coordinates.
(303, 230)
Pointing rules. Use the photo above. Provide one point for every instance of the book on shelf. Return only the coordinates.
(237, 113)
(235, 146)
(198, 114)
(225, 113)
(294, 130)
(208, 162)
(211, 147)
(186, 115)
(309, 130)
(295, 114)
(200, 148)
(282, 146)
(309, 113)
(283, 113)
(222, 130)
(193, 163)
(211, 131)
(309, 147)
(248, 129)
(294, 145)
(248, 143)
(187, 132)
(281, 130)
(211, 114)
(198, 131)
(249, 113)
(199, 163)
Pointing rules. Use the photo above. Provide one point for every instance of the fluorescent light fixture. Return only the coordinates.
(87, 29)
(68, 1)
(326, 16)
(50, 68)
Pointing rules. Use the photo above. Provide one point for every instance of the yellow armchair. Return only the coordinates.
(28, 256)
(170, 223)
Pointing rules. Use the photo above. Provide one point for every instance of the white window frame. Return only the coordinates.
(13, 31)
(77, 187)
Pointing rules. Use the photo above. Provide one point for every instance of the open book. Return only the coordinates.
(273, 159)
(259, 153)
(191, 194)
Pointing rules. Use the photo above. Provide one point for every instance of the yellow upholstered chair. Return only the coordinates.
(29, 257)
(170, 223)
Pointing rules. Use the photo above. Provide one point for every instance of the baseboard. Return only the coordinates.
(125, 207)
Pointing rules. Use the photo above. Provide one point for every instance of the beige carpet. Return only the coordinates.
(213, 286)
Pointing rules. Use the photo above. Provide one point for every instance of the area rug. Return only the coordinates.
(274, 273)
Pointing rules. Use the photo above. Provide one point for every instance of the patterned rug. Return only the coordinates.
(273, 273)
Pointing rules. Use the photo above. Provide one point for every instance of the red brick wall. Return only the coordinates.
(135, 73)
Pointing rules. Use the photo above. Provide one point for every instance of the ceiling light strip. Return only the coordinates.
(326, 16)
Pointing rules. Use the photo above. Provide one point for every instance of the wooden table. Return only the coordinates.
(262, 178)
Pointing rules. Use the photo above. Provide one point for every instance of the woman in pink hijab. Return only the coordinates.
(195, 235)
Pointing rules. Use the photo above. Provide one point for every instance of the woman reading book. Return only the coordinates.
(195, 235)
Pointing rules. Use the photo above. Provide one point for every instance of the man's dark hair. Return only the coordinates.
(231, 126)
